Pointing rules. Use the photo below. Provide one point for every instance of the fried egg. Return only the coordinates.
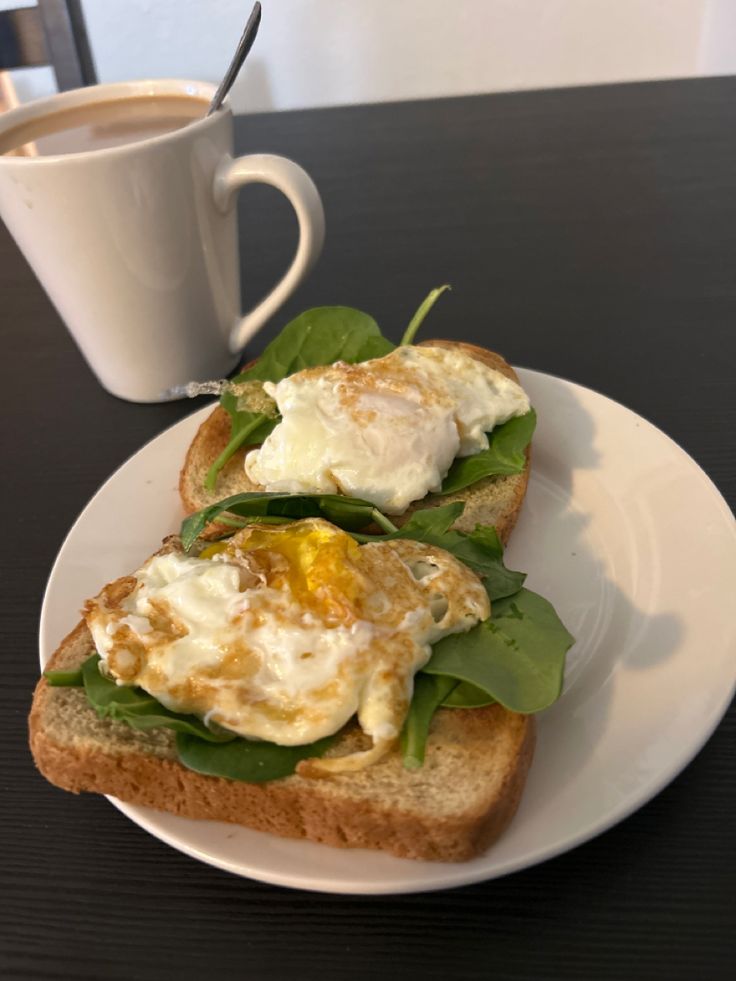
(283, 633)
(386, 430)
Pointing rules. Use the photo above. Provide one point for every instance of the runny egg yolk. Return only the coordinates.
(284, 632)
(317, 559)
(306, 559)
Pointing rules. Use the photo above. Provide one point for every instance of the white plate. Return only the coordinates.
(621, 530)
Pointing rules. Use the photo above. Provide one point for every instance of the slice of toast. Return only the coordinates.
(492, 501)
(450, 809)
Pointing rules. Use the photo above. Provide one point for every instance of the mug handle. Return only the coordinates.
(299, 188)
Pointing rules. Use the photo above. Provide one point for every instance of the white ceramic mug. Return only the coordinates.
(136, 245)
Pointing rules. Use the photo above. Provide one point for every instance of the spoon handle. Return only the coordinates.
(244, 46)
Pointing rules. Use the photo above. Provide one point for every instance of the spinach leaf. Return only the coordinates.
(432, 691)
(429, 693)
(318, 336)
(517, 657)
(505, 454)
(207, 750)
(416, 321)
(479, 549)
(468, 696)
(345, 512)
(245, 759)
(422, 526)
(65, 679)
(124, 703)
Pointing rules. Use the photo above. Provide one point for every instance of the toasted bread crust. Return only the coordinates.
(281, 809)
(481, 757)
(493, 500)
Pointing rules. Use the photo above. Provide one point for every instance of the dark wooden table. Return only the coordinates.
(590, 233)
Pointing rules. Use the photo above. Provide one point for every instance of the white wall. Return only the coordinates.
(327, 52)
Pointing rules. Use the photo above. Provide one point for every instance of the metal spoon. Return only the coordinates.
(241, 53)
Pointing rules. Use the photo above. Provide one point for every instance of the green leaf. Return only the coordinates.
(480, 549)
(125, 703)
(430, 522)
(517, 657)
(214, 751)
(416, 321)
(65, 679)
(245, 759)
(250, 426)
(318, 336)
(473, 550)
(429, 693)
(345, 512)
(468, 696)
(505, 455)
(422, 526)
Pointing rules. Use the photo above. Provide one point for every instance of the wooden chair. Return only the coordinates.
(51, 33)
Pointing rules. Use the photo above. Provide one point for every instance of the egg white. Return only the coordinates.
(386, 430)
(285, 633)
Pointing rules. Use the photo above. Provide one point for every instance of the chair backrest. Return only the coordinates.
(52, 33)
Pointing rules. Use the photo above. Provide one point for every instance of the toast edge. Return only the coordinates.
(287, 808)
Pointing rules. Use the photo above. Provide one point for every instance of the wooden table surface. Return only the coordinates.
(589, 233)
